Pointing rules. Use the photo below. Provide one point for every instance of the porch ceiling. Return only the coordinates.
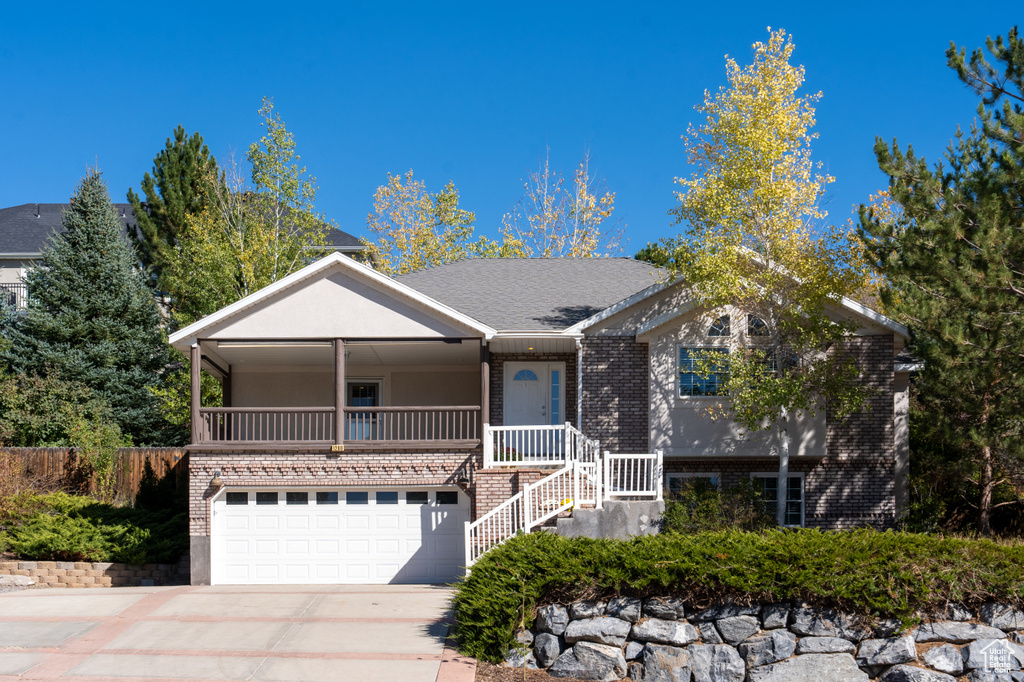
(321, 353)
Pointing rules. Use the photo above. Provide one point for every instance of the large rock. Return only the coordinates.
(725, 611)
(553, 618)
(816, 667)
(889, 651)
(825, 645)
(634, 650)
(547, 648)
(665, 608)
(908, 673)
(660, 631)
(774, 616)
(955, 632)
(590, 661)
(716, 663)
(603, 630)
(579, 610)
(957, 612)
(709, 634)
(516, 658)
(776, 645)
(16, 581)
(737, 628)
(991, 676)
(946, 659)
(626, 608)
(666, 664)
(808, 622)
(993, 654)
(1003, 617)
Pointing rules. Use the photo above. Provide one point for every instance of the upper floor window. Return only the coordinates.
(691, 382)
(720, 327)
(756, 326)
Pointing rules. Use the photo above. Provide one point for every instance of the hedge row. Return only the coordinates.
(876, 574)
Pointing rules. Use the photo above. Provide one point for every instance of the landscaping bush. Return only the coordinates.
(701, 506)
(877, 574)
(62, 527)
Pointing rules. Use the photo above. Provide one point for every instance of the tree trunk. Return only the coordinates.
(985, 485)
(783, 486)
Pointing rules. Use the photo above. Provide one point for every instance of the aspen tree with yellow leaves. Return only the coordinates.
(754, 237)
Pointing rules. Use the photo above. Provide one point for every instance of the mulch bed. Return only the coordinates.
(488, 672)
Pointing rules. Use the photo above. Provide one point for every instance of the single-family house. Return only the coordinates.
(379, 429)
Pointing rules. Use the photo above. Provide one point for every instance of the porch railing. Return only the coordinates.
(15, 294)
(632, 475)
(534, 446)
(377, 425)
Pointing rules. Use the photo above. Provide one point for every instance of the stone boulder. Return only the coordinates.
(626, 608)
(1004, 618)
(908, 673)
(725, 611)
(517, 656)
(774, 616)
(773, 646)
(579, 610)
(825, 645)
(955, 632)
(889, 651)
(984, 654)
(709, 634)
(808, 622)
(660, 631)
(603, 630)
(547, 648)
(633, 650)
(16, 581)
(716, 663)
(816, 667)
(665, 608)
(666, 664)
(946, 659)
(737, 628)
(590, 661)
(553, 618)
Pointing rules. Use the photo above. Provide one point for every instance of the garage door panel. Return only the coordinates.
(366, 536)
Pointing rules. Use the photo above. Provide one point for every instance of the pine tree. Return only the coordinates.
(954, 260)
(178, 187)
(91, 317)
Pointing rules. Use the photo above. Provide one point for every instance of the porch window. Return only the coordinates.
(691, 384)
(768, 485)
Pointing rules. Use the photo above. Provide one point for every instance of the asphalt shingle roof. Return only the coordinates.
(533, 294)
(26, 228)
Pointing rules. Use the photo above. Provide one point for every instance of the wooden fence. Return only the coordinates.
(59, 468)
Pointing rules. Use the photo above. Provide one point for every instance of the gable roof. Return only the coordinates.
(533, 294)
(25, 229)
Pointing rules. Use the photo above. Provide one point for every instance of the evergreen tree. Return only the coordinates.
(178, 187)
(91, 316)
(954, 260)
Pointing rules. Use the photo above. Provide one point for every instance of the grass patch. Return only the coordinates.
(866, 572)
(62, 527)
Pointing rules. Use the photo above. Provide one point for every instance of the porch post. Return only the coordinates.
(485, 383)
(339, 392)
(196, 362)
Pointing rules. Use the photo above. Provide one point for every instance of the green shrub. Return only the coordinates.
(701, 506)
(62, 527)
(868, 572)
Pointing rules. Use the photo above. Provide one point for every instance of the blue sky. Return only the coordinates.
(468, 92)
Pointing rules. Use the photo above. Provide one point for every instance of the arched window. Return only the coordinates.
(525, 375)
(720, 327)
(756, 326)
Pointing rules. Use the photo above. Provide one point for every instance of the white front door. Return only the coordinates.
(534, 393)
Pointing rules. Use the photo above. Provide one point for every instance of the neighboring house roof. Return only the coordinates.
(533, 294)
(25, 229)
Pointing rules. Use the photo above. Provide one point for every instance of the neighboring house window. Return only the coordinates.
(720, 327)
(678, 481)
(756, 326)
(768, 485)
(690, 383)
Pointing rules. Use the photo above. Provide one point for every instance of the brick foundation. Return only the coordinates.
(85, 574)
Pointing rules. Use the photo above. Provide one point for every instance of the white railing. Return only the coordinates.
(535, 446)
(632, 475)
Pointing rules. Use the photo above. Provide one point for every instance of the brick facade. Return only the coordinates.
(616, 388)
(855, 484)
(494, 486)
(498, 361)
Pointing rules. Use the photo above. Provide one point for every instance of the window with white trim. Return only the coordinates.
(692, 384)
(720, 327)
(756, 326)
(768, 485)
(676, 482)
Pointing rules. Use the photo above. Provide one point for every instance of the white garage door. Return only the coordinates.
(334, 535)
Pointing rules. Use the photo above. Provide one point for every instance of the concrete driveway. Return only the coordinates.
(287, 633)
